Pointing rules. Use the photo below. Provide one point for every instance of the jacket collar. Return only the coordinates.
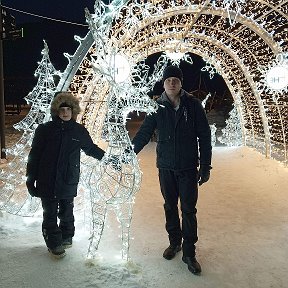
(164, 100)
(63, 124)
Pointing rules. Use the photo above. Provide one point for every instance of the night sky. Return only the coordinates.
(68, 10)
(58, 35)
(21, 55)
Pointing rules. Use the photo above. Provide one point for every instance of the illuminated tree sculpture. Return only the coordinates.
(232, 134)
(14, 197)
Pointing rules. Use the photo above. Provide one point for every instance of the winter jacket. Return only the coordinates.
(54, 159)
(183, 136)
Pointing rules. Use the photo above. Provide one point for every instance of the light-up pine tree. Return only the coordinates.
(41, 95)
(232, 133)
(13, 197)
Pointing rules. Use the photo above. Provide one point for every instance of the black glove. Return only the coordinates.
(31, 187)
(204, 174)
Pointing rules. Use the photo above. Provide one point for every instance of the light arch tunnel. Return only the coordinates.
(241, 45)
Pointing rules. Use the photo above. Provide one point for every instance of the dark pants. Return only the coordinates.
(180, 185)
(52, 232)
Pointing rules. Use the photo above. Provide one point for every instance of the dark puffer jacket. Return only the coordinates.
(178, 134)
(54, 159)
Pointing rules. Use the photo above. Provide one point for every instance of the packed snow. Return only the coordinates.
(243, 232)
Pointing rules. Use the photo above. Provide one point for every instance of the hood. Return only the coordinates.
(67, 98)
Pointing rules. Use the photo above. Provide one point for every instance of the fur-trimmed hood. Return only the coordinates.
(67, 98)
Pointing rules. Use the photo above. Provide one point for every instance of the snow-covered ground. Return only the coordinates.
(243, 232)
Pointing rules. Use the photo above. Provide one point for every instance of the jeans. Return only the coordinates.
(53, 209)
(181, 185)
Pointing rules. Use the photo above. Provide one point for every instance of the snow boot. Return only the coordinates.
(57, 252)
(67, 243)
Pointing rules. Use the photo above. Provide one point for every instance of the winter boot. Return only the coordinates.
(171, 251)
(67, 243)
(57, 252)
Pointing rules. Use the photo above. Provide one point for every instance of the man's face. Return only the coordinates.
(172, 86)
(65, 113)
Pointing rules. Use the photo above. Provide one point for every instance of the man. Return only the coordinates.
(53, 169)
(183, 142)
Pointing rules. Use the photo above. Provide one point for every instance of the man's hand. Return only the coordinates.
(204, 174)
(30, 183)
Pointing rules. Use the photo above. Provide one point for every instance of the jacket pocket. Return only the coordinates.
(72, 174)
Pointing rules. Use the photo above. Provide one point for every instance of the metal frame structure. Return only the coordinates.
(240, 38)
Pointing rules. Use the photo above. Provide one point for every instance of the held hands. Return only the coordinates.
(116, 161)
(113, 160)
(204, 174)
(30, 184)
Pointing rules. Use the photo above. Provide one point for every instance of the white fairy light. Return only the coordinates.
(213, 127)
(144, 28)
(114, 183)
(210, 69)
(233, 8)
(204, 101)
(232, 132)
(121, 68)
(14, 197)
(175, 56)
(138, 29)
(275, 76)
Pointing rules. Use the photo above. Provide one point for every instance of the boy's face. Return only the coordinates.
(65, 113)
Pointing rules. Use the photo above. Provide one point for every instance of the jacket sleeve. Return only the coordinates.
(89, 147)
(37, 147)
(203, 134)
(144, 133)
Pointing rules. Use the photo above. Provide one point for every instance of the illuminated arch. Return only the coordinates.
(240, 51)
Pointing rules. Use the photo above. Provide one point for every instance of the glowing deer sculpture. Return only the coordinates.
(113, 184)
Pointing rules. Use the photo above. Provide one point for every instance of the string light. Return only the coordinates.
(209, 68)
(236, 37)
(235, 47)
(213, 127)
(232, 133)
(275, 76)
(233, 8)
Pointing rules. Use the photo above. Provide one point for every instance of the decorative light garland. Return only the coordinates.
(209, 68)
(275, 76)
(252, 38)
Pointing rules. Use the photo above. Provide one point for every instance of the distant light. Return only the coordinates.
(121, 68)
(277, 77)
(175, 55)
